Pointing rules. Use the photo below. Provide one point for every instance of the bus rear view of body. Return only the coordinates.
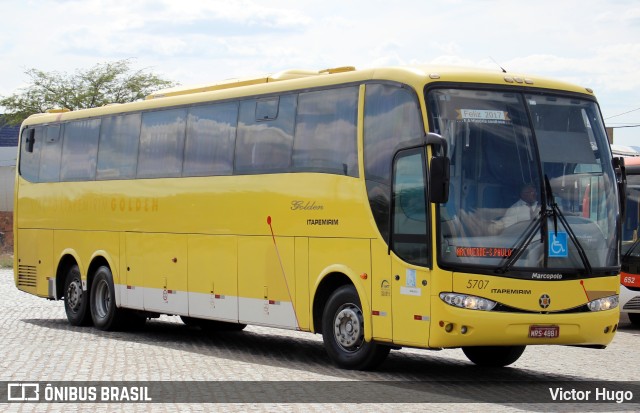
(427, 207)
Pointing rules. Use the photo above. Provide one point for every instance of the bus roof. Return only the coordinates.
(297, 79)
(234, 83)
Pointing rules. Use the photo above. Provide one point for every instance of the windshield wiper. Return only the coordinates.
(548, 210)
(556, 213)
(522, 243)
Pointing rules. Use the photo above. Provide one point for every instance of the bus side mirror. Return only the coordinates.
(439, 180)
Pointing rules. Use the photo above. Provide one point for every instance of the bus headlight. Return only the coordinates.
(601, 304)
(470, 302)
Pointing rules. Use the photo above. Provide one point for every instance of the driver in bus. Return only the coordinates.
(524, 209)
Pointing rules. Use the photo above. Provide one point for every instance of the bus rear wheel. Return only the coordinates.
(76, 300)
(343, 332)
(493, 356)
(106, 316)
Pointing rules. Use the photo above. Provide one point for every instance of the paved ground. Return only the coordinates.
(38, 345)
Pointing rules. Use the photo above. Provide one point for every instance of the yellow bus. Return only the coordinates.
(376, 207)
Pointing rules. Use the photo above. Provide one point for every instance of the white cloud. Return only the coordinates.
(595, 43)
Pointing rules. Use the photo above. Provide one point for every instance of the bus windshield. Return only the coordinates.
(532, 190)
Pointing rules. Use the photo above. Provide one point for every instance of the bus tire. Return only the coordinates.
(634, 318)
(76, 301)
(106, 316)
(493, 356)
(343, 332)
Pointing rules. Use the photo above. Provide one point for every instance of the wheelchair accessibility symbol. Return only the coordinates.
(558, 244)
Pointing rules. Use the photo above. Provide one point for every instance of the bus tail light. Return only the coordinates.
(601, 304)
(470, 302)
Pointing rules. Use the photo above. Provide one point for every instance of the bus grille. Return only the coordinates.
(27, 276)
(633, 304)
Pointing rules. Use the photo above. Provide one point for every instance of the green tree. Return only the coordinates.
(104, 83)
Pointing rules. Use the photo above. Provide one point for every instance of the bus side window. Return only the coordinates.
(51, 153)
(211, 137)
(30, 153)
(162, 143)
(409, 222)
(325, 136)
(392, 115)
(80, 150)
(118, 148)
(263, 142)
(267, 109)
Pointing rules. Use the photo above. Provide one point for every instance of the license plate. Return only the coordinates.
(544, 331)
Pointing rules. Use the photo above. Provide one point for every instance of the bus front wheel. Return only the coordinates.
(493, 356)
(343, 332)
(76, 299)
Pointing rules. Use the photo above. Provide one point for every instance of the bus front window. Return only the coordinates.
(530, 188)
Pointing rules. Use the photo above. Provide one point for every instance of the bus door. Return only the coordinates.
(410, 250)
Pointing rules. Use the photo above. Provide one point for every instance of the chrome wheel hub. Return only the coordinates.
(348, 327)
(74, 295)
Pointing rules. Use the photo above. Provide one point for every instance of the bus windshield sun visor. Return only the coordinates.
(553, 147)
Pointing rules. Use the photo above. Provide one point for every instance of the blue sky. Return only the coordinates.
(594, 43)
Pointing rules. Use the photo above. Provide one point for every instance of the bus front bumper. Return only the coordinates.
(457, 327)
